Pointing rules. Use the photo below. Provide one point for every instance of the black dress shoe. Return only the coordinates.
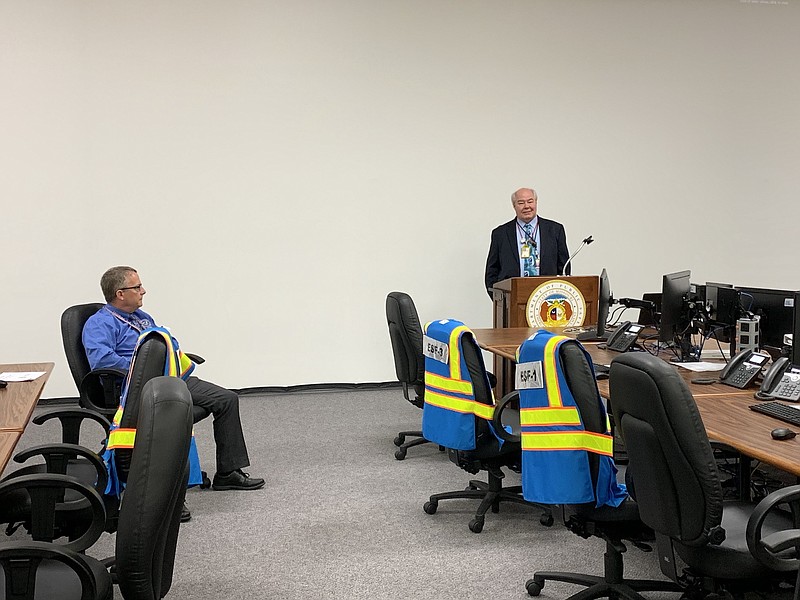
(236, 480)
(186, 516)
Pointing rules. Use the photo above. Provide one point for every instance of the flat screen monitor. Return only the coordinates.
(722, 299)
(604, 300)
(775, 309)
(674, 288)
(649, 317)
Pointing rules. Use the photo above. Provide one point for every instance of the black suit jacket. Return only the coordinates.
(503, 259)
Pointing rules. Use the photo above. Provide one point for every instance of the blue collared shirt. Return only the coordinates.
(110, 336)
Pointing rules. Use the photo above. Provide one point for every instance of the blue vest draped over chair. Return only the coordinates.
(448, 416)
(555, 444)
(176, 365)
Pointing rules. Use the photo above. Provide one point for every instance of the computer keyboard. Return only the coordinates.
(598, 368)
(781, 411)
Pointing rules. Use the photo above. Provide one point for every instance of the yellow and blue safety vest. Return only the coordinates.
(555, 444)
(177, 365)
(448, 415)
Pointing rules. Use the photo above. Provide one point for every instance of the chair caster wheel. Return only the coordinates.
(400, 453)
(546, 519)
(398, 441)
(430, 507)
(476, 525)
(206, 481)
(533, 587)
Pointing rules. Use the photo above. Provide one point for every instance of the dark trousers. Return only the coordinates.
(224, 405)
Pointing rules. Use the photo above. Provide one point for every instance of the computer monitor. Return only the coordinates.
(649, 317)
(674, 288)
(722, 300)
(775, 309)
(604, 300)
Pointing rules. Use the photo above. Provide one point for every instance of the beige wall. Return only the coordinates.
(275, 168)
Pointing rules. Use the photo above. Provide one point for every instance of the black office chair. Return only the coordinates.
(405, 333)
(614, 525)
(148, 523)
(489, 454)
(98, 390)
(677, 486)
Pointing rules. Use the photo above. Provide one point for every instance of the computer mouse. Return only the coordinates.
(601, 376)
(782, 433)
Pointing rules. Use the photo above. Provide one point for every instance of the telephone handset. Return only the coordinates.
(743, 369)
(782, 381)
(624, 337)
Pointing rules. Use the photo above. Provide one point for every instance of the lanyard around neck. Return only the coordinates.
(135, 326)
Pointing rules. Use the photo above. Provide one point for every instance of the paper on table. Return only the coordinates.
(700, 367)
(21, 375)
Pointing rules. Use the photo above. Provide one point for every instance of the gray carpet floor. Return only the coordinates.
(341, 518)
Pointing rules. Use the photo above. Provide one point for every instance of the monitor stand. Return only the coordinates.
(686, 352)
(590, 335)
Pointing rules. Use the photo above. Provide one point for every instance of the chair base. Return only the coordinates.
(490, 494)
(403, 445)
(611, 585)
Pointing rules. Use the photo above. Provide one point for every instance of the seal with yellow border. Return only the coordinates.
(556, 303)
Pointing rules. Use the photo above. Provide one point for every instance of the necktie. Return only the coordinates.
(530, 263)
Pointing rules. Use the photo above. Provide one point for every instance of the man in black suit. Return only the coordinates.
(527, 245)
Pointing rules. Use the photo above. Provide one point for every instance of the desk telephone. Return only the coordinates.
(624, 337)
(743, 369)
(782, 381)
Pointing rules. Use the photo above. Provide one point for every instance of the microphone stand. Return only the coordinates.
(585, 242)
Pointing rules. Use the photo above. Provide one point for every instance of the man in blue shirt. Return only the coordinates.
(109, 338)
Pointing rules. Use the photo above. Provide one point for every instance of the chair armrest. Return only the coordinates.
(71, 420)
(767, 548)
(57, 456)
(195, 358)
(509, 405)
(44, 490)
(24, 570)
(100, 390)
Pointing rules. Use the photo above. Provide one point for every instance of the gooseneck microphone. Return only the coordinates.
(585, 242)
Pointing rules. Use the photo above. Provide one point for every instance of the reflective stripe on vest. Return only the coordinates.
(121, 438)
(460, 405)
(567, 440)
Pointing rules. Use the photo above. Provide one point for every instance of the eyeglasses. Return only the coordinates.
(138, 288)
(524, 202)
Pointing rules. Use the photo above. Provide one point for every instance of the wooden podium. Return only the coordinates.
(510, 300)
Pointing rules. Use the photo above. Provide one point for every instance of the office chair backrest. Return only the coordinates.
(583, 386)
(72, 321)
(480, 384)
(405, 332)
(150, 515)
(149, 363)
(672, 465)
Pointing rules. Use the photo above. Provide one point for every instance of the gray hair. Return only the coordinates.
(113, 280)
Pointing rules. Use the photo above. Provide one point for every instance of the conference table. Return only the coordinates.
(725, 410)
(17, 401)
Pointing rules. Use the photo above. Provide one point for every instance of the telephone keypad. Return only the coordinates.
(743, 376)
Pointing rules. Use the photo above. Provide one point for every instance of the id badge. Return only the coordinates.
(525, 251)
